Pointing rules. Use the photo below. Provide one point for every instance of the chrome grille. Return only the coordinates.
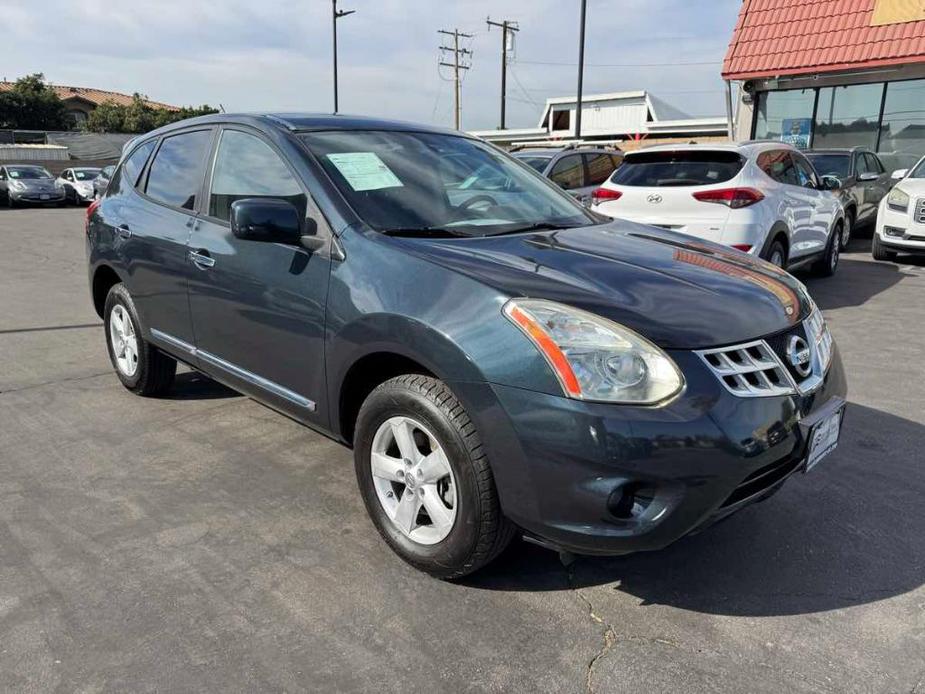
(920, 211)
(748, 370)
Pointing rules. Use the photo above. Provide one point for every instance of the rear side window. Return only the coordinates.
(678, 168)
(600, 166)
(127, 175)
(778, 164)
(246, 167)
(568, 172)
(175, 176)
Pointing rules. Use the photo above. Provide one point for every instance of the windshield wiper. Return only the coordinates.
(538, 226)
(430, 232)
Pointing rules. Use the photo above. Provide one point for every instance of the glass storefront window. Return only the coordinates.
(794, 106)
(902, 133)
(848, 116)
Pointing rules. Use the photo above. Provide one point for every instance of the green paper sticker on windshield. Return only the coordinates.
(364, 171)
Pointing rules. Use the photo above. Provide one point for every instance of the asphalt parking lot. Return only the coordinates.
(201, 542)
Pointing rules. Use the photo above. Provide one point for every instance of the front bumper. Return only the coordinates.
(28, 196)
(607, 479)
(900, 231)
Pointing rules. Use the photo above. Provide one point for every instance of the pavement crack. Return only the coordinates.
(608, 635)
(53, 383)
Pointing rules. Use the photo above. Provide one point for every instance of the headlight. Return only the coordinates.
(59, 185)
(594, 358)
(818, 333)
(898, 200)
(17, 185)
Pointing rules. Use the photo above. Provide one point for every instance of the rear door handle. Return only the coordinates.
(124, 231)
(200, 260)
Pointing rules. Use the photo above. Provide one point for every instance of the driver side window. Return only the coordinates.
(806, 174)
(247, 167)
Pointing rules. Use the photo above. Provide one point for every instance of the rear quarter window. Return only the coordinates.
(678, 168)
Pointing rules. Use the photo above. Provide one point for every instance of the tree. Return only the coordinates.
(138, 117)
(32, 105)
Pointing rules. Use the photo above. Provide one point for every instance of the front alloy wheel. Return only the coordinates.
(413, 480)
(425, 479)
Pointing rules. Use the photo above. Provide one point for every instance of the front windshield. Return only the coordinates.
(919, 170)
(533, 161)
(86, 174)
(428, 182)
(831, 164)
(28, 172)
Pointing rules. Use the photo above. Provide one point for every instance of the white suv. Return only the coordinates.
(762, 198)
(901, 216)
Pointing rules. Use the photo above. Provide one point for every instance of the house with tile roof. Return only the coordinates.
(82, 101)
(832, 73)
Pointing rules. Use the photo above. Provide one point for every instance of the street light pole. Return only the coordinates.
(581, 69)
(335, 15)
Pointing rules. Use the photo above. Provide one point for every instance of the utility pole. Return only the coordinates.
(336, 14)
(507, 29)
(581, 69)
(457, 65)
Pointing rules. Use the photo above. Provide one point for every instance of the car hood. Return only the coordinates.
(37, 184)
(678, 291)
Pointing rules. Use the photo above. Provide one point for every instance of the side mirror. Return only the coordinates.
(266, 219)
(899, 174)
(831, 183)
(869, 176)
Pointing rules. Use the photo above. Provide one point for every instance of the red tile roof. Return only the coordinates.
(94, 96)
(792, 37)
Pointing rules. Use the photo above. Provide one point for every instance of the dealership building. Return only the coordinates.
(832, 73)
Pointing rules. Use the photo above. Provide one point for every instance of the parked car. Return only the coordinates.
(532, 367)
(579, 171)
(26, 183)
(901, 218)
(761, 198)
(101, 182)
(864, 183)
(78, 184)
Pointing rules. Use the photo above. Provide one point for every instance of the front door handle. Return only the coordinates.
(124, 231)
(201, 259)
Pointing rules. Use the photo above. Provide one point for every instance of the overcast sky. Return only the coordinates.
(276, 54)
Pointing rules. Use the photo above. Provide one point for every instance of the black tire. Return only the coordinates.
(828, 264)
(155, 371)
(879, 252)
(847, 229)
(777, 250)
(480, 532)
(10, 202)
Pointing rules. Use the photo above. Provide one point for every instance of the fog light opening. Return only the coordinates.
(630, 501)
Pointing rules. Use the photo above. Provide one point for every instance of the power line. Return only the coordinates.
(457, 64)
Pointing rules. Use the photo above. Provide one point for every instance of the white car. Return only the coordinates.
(78, 184)
(762, 198)
(901, 216)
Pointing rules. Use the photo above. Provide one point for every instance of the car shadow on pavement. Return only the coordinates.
(191, 385)
(849, 533)
(856, 281)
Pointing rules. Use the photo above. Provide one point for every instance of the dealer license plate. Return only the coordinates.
(824, 439)
(43, 197)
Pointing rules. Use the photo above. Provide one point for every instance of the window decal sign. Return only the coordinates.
(364, 171)
(796, 132)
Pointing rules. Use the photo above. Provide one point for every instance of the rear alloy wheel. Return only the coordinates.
(425, 479)
(777, 255)
(847, 229)
(140, 366)
(828, 264)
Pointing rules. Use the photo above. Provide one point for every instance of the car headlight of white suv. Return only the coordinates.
(898, 200)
